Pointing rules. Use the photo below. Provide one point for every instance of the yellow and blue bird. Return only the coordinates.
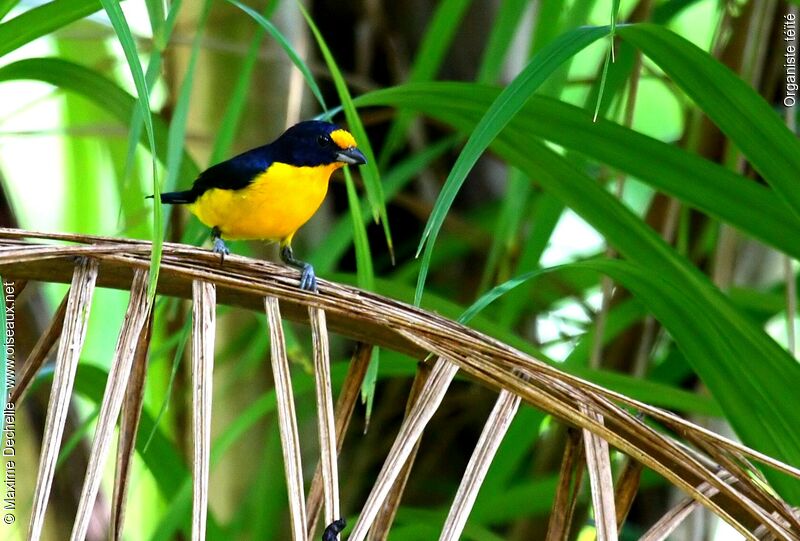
(269, 192)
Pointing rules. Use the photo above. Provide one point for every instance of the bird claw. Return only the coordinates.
(221, 249)
(308, 279)
(333, 529)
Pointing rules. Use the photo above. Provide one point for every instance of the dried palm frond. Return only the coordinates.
(287, 421)
(133, 326)
(715, 472)
(203, 333)
(73, 335)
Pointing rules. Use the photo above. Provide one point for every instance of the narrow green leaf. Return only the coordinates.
(614, 80)
(509, 17)
(42, 20)
(566, 16)
(365, 272)
(96, 88)
(700, 183)
(6, 6)
(515, 199)
(137, 123)
(340, 236)
(730, 103)
(745, 370)
(155, 12)
(287, 47)
(603, 77)
(238, 98)
(553, 18)
(177, 126)
(125, 37)
(664, 12)
(77, 437)
(370, 174)
(368, 386)
(162, 31)
(546, 213)
(496, 292)
(183, 338)
(508, 103)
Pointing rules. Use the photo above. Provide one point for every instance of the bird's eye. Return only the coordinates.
(324, 140)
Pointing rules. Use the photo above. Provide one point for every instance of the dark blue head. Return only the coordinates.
(314, 142)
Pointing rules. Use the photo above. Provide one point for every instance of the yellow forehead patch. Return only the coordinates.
(343, 138)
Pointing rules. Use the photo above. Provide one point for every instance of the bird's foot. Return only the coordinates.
(333, 530)
(308, 279)
(221, 249)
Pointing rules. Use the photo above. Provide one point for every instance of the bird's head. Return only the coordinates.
(314, 143)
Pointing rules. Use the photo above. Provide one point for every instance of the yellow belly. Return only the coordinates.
(272, 207)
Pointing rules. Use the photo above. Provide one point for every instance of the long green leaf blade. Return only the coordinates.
(287, 47)
(238, 97)
(371, 176)
(509, 17)
(374, 188)
(508, 103)
(125, 37)
(42, 20)
(704, 185)
(96, 88)
(177, 126)
(6, 6)
(734, 106)
(750, 375)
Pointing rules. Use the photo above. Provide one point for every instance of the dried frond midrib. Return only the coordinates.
(742, 502)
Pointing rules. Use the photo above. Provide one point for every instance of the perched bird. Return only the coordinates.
(269, 192)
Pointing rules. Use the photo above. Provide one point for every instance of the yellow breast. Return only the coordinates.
(273, 206)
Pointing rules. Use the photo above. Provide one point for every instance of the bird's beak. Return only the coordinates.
(351, 156)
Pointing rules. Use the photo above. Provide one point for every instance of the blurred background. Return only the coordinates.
(223, 86)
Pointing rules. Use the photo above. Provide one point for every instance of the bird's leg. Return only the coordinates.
(308, 280)
(219, 244)
(333, 529)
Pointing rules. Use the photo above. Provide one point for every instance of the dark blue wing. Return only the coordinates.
(236, 173)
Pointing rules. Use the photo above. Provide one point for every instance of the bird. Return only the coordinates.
(269, 192)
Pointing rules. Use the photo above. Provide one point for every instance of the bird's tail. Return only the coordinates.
(177, 198)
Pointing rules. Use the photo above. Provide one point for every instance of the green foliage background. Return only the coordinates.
(477, 117)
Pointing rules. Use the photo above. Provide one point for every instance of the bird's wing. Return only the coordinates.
(234, 174)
